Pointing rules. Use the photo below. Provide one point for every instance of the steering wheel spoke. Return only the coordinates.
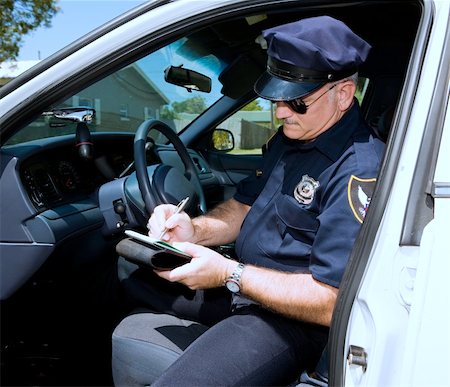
(164, 183)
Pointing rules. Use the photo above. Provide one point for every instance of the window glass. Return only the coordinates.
(139, 91)
(252, 126)
(363, 84)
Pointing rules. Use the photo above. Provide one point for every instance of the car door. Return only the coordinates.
(234, 148)
(391, 323)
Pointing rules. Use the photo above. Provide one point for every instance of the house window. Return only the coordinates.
(123, 112)
(85, 102)
(148, 113)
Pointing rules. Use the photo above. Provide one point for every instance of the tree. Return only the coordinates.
(195, 105)
(168, 113)
(18, 18)
(252, 106)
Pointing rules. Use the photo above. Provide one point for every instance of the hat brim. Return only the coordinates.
(274, 88)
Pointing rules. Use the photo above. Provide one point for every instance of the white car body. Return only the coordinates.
(401, 312)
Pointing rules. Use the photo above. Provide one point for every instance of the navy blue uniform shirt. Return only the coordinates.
(310, 200)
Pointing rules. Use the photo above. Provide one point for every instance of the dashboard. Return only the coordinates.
(58, 178)
(60, 175)
(52, 198)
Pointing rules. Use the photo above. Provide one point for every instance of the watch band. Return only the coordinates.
(233, 282)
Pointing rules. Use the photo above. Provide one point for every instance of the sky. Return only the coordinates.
(75, 19)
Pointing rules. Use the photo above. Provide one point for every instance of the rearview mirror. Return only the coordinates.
(189, 79)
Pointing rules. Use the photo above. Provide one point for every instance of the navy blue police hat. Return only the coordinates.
(306, 54)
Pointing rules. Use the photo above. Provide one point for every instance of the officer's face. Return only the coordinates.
(325, 108)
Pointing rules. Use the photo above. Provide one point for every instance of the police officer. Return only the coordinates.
(294, 222)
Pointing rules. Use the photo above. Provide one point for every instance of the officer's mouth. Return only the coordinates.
(294, 131)
(288, 121)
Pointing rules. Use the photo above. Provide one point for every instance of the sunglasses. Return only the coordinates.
(300, 107)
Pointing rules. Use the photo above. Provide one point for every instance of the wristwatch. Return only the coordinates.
(233, 282)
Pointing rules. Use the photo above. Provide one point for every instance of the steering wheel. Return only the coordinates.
(163, 183)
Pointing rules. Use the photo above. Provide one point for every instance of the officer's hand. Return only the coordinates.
(178, 226)
(207, 269)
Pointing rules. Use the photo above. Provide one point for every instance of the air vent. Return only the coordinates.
(199, 166)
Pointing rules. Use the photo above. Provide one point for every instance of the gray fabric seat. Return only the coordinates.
(144, 344)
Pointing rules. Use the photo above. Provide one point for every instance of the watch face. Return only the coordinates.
(232, 286)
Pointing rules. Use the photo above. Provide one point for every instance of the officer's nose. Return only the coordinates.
(283, 110)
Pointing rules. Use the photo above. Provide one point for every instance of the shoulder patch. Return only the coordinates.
(359, 193)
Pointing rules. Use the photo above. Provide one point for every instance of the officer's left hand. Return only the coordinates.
(207, 269)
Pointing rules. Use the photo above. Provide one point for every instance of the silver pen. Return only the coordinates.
(180, 207)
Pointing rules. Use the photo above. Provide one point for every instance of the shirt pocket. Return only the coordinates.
(296, 229)
(296, 221)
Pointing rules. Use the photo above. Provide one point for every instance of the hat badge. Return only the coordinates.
(305, 190)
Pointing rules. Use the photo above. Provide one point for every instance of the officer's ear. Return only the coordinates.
(345, 93)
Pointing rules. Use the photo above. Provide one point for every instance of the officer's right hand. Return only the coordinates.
(179, 227)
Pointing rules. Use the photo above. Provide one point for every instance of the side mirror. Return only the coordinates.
(222, 140)
(189, 79)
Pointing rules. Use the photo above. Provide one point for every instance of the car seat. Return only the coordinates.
(145, 344)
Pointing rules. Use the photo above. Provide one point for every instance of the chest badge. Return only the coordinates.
(304, 191)
(359, 193)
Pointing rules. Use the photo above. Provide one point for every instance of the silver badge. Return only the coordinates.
(304, 191)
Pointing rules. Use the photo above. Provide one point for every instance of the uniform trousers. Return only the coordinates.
(243, 346)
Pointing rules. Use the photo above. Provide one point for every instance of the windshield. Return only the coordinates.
(137, 92)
